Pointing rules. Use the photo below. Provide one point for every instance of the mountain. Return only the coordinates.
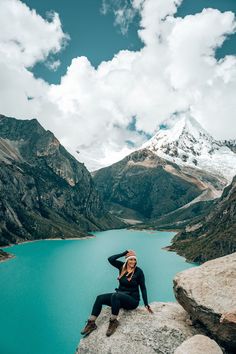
(182, 140)
(44, 191)
(215, 234)
(171, 178)
(147, 185)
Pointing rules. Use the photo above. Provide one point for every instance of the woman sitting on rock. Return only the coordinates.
(126, 296)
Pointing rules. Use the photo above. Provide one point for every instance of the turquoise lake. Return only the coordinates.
(48, 289)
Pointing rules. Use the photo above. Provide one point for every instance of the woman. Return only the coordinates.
(126, 295)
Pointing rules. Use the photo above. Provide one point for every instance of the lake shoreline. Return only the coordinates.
(152, 229)
(149, 231)
(10, 255)
(6, 257)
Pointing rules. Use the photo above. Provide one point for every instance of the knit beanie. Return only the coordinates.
(129, 255)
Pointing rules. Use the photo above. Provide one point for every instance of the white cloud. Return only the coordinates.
(209, 84)
(153, 13)
(123, 12)
(216, 106)
(91, 109)
(25, 37)
(53, 65)
(192, 45)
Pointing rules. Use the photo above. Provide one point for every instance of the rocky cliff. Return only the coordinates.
(44, 191)
(214, 235)
(204, 321)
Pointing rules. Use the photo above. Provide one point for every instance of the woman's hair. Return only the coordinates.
(124, 270)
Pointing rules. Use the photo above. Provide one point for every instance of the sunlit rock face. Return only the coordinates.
(199, 344)
(207, 293)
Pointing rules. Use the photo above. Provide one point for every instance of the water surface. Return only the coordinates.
(48, 289)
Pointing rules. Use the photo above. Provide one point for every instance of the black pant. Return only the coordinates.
(116, 300)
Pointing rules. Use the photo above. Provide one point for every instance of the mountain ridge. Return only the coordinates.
(45, 192)
(151, 169)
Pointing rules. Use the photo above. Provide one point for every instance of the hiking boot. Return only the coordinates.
(113, 324)
(90, 326)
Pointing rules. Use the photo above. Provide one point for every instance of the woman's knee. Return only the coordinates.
(130, 306)
(115, 298)
(128, 302)
(115, 295)
(99, 298)
(104, 299)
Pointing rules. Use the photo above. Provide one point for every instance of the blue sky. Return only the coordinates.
(103, 74)
(95, 36)
(92, 33)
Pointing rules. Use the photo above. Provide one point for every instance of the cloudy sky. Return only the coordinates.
(103, 74)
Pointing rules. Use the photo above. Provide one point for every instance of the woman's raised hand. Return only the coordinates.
(130, 253)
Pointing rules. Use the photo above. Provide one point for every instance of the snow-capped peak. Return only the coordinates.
(181, 139)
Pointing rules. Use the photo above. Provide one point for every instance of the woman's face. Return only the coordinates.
(131, 262)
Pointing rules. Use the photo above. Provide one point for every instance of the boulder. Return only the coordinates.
(207, 293)
(140, 332)
(199, 344)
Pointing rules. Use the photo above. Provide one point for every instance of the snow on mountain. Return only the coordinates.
(182, 140)
(231, 144)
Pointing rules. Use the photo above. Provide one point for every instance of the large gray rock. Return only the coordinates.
(207, 293)
(199, 344)
(140, 332)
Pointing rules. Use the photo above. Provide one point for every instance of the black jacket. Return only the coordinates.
(131, 287)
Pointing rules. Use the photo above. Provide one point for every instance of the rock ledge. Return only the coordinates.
(140, 332)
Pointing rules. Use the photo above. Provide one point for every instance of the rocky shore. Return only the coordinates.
(4, 256)
(203, 320)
